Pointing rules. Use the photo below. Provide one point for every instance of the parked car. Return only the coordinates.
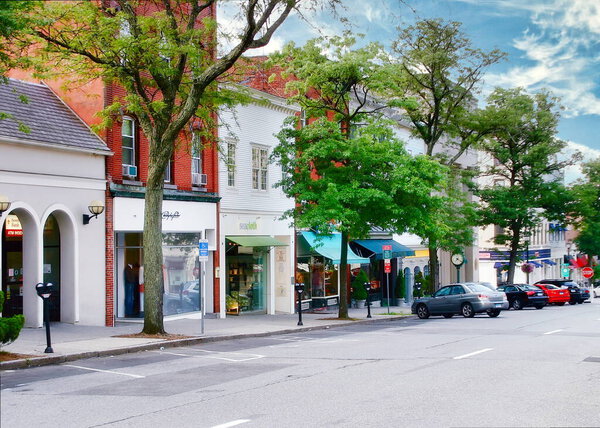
(191, 295)
(596, 289)
(522, 295)
(556, 295)
(466, 299)
(577, 296)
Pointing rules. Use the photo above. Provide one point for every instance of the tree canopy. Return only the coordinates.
(586, 209)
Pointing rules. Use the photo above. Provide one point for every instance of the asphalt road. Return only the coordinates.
(525, 368)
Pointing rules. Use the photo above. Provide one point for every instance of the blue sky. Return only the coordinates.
(552, 44)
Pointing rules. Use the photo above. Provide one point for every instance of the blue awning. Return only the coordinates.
(370, 247)
(498, 265)
(536, 264)
(329, 246)
(549, 262)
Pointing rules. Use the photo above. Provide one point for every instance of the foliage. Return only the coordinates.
(162, 53)
(399, 287)
(9, 327)
(358, 286)
(522, 185)
(586, 209)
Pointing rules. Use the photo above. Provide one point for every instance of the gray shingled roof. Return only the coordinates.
(49, 120)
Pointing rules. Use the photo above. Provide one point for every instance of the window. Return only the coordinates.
(230, 164)
(169, 172)
(196, 153)
(128, 141)
(457, 289)
(259, 168)
(442, 292)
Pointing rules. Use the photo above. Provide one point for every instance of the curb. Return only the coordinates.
(58, 359)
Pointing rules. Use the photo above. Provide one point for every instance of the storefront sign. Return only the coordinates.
(13, 226)
(170, 215)
(249, 226)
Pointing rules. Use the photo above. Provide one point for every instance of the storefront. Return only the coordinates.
(184, 223)
(318, 259)
(494, 266)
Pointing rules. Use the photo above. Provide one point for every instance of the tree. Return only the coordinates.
(349, 185)
(586, 209)
(162, 52)
(437, 65)
(524, 174)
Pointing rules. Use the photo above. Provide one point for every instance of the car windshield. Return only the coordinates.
(550, 286)
(477, 288)
(530, 287)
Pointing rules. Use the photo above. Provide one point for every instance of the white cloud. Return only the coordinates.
(574, 172)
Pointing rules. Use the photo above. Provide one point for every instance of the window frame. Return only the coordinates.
(260, 168)
(230, 163)
(133, 137)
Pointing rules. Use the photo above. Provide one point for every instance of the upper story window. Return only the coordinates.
(196, 153)
(169, 172)
(230, 164)
(128, 147)
(259, 168)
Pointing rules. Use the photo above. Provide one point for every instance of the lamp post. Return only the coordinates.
(299, 289)
(527, 257)
(368, 288)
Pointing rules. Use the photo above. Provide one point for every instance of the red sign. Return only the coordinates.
(587, 272)
(387, 266)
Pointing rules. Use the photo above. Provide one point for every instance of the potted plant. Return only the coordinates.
(359, 294)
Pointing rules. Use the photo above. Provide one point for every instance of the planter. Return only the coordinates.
(376, 304)
(360, 304)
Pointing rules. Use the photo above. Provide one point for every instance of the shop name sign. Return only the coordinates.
(170, 215)
(253, 225)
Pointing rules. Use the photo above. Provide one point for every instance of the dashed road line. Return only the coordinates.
(481, 351)
(232, 423)
(554, 331)
(105, 371)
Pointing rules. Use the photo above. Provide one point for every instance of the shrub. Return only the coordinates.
(399, 287)
(9, 327)
(358, 287)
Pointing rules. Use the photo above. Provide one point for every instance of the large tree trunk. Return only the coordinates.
(153, 258)
(434, 269)
(512, 257)
(343, 312)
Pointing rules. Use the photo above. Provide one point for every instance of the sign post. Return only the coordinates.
(202, 258)
(387, 268)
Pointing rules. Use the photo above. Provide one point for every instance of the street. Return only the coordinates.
(524, 368)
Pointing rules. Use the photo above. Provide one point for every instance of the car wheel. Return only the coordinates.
(517, 305)
(493, 313)
(539, 306)
(572, 303)
(448, 315)
(560, 304)
(422, 312)
(467, 310)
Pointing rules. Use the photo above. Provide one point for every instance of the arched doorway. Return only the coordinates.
(52, 264)
(12, 262)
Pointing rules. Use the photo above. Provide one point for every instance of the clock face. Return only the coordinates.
(457, 259)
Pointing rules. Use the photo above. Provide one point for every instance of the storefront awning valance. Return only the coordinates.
(536, 264)
(374, 247)
(256, 241)
(498, 265)
(329, 247)
(549, 262)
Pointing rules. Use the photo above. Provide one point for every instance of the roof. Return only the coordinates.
(49, 120)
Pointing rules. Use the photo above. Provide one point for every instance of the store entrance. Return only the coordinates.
(12, 266)
(246, 283)
(51, 265)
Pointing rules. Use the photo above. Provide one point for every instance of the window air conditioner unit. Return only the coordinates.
(199, 179)
(129, 171)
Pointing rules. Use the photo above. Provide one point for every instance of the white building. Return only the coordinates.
(51, 175)
(257, 256)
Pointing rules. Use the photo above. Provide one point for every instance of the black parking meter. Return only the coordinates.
(45, 291)
(299, 289)
(368, 288)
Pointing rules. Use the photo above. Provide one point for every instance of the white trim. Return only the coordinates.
(56, 146)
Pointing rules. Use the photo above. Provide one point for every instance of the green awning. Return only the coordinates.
(256, 241)
(375, 247)
(329, 246)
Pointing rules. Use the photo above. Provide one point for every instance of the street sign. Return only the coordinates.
(566, 272)
(203, 246)
(587, 272)
(387, 266)
(387, 252)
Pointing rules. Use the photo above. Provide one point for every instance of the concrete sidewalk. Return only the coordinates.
(73, 342)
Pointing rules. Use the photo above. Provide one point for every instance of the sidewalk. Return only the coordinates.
(73, 342)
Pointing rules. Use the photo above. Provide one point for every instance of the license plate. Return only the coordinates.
(498, 305)
(561, 293)
(539, 294)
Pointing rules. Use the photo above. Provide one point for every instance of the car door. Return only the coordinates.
(455, 299)
(511, 293)
(438, 302)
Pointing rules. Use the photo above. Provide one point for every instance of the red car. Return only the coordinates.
(556, 295)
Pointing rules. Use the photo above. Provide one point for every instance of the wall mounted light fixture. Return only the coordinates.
(96, 208)
(4, 204)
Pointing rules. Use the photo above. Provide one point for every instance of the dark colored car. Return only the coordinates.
(465, 299)
(522, 295)
(577, 294)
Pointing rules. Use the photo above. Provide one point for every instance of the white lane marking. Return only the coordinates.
(232, 423)
(553, 331)
(481, 351)
(219, 355)
(105, 371)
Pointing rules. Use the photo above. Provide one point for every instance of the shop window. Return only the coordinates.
(320, 278)
(246, 280)
(259, 168)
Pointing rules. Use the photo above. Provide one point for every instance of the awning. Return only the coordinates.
(256, 241)
(536, 264)
(375, 247)
(329, 246)
(549, 262)
(498, 265)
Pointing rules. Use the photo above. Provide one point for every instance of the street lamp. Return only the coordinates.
(4, 204)
(368, 288)
(96, 208)
(299, 289)
(527, 257)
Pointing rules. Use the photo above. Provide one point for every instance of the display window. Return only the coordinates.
(246, 280)
(181, 274)
(320, 278)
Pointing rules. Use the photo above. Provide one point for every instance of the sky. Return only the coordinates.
(551, 44)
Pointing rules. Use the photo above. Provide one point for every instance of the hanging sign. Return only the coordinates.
(203, 247)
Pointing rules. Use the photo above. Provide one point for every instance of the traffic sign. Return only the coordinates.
(387, 251)
(566, 272)
(203, 247)
(387, 266)
(587, 272)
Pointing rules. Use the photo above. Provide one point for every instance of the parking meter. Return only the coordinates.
(45, 291)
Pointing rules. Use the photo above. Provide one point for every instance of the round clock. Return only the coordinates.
(457, 259)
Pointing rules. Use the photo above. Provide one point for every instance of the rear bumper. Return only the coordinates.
(483, 306)
(537, 301)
